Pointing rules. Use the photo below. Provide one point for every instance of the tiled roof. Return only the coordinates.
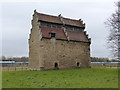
(48, 18)
(73, 22)
(77, 36)
(56, 19)
(74, 36)
(59, 33)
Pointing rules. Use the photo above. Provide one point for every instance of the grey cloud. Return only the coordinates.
(16, 23)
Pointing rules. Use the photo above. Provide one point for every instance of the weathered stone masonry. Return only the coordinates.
(58, 43)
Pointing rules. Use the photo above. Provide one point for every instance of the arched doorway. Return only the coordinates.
(78, 64)
(56, 66)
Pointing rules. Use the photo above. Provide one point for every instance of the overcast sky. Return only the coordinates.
(15, 20)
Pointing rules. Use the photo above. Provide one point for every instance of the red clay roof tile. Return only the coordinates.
(75, 36)
(60, 34)
(56, 19)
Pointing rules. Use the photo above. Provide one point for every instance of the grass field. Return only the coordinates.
(72, 78)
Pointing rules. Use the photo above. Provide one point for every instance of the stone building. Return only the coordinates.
(58, 43)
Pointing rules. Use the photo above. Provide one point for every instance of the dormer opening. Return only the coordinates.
(53, 35)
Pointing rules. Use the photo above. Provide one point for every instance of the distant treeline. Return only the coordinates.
(97, 59)
(25, 59)
(16, 59)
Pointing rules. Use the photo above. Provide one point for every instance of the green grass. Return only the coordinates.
(72, 78)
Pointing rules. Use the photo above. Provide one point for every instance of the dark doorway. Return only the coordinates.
(78, 64)
(56, 66)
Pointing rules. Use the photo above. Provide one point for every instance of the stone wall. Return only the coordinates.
(65, 53)
(44, 53)
(35, 37)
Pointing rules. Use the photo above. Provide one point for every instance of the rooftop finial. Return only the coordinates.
(59, 15)
(35, 11)
(84, 24)
(79, 19)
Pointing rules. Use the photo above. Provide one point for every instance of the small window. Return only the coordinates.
(52, 35)
(49, 25)
(54, 26)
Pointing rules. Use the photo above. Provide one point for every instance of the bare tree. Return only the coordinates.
(113, 40)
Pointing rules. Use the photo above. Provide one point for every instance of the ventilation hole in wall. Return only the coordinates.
(41, 45)
(63, 55)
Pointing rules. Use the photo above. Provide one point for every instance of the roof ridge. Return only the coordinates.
(47, 14)
(56, 19)
(58, 16)
(70, 19)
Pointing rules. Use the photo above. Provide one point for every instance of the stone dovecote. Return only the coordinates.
(58, 43)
